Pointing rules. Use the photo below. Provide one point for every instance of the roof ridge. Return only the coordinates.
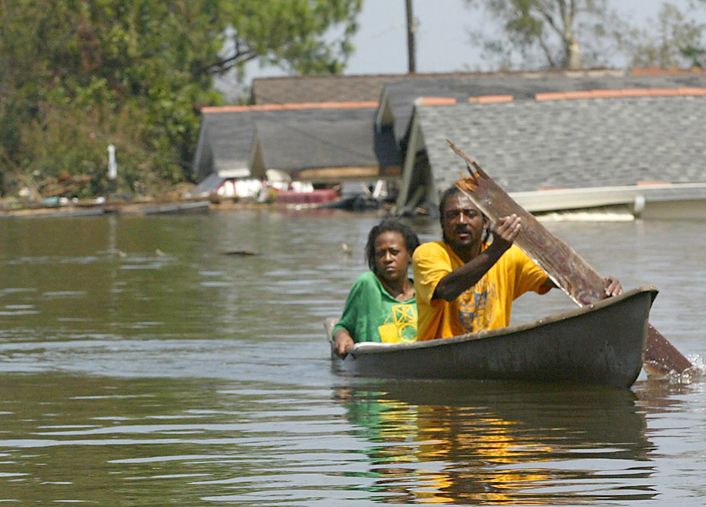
(291, 106)
(613, 93)
(434, 101)
(404, 75)
(666, 71)
(490, 99)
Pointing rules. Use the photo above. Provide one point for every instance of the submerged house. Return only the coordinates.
(223, 145)
(555, 140)
(316, 143)
(314, 128)
(325, 148)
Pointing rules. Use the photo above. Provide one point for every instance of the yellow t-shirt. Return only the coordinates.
(486, 305)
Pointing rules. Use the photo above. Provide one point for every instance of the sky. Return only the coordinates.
(442, 38)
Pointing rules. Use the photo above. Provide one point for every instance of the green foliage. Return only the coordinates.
(297, 44)
(77, 75)
(544, 33)
(576, 33)
(674, 39)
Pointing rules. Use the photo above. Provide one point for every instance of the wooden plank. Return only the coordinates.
(567, 269)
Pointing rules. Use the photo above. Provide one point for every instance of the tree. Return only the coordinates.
(675, 39)
(546, 33)
(77, 75)
(289, 33)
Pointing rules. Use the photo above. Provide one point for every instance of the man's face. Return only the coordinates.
(462, 222)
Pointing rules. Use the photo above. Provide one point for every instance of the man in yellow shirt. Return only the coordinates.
(465, 284)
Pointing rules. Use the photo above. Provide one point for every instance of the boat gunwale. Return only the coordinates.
(366, 348)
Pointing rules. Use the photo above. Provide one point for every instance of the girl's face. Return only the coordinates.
(391, 257)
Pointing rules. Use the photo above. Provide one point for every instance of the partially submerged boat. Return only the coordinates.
(602, 343)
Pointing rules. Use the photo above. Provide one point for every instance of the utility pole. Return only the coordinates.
(411, 28)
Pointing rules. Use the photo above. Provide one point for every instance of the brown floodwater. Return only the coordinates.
(142, 364)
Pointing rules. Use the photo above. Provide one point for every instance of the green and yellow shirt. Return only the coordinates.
(371, 314)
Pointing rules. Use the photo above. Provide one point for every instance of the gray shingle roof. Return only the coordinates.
(368, 87)
(335, 141)
(224, 142)
(527, 145)
(228, 136)
(522, 86)
(297, 89)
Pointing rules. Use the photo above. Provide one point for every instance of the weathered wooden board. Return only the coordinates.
(567, 269)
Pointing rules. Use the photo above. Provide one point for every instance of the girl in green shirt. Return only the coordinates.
(381, 306)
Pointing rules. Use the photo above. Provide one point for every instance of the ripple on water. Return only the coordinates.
(18, 310)
(63, 294)
(49, 259)
(16, 290)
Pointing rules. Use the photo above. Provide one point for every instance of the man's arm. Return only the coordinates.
(461, 279)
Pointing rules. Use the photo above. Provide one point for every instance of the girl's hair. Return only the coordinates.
(411, 240)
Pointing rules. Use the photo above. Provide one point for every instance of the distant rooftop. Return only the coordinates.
(398, 98)
(280, 90)
(368, 87)
(352, 143)
(532, 130)
(227, 133)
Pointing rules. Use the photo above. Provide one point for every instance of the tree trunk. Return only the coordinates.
(572, 52)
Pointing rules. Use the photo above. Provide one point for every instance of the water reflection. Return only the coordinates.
(83, 439)
(487, 443)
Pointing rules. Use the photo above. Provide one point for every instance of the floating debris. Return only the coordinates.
(240, 253)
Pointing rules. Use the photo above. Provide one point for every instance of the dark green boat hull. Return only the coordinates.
(600, 344)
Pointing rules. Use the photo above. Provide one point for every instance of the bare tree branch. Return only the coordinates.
(547, 52)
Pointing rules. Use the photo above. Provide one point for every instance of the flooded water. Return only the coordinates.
(142, 364)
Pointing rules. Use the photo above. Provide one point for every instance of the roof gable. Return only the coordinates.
(227, 133)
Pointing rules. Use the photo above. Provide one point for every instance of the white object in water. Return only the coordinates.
(112, 163)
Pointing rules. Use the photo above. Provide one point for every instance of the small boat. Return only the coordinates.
(602, 343)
